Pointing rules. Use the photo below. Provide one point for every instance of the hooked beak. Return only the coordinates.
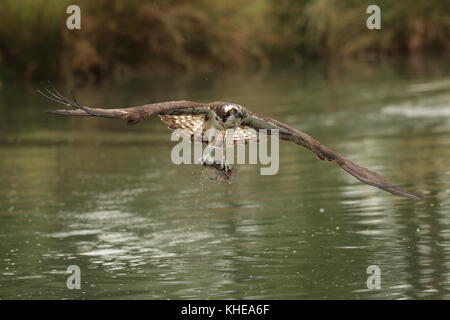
(240, 115)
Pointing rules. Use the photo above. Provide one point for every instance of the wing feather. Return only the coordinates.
(244, 135)
(132, 115)
(186, 125)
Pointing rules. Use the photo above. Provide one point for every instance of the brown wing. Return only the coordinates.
(323, 153)
(133, 115)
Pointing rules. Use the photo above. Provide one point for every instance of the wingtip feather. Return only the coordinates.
(68, 112)
(374, 179)
(397, 191)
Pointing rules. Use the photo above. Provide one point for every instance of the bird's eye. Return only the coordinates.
(232, 111)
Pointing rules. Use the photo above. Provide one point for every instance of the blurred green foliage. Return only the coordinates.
(122, 38)
(330, 28)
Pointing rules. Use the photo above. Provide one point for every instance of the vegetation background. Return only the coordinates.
(121, 39)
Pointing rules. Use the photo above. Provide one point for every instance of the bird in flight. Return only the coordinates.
(192, 116)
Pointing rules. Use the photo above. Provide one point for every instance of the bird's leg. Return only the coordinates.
(224, 165)
(218, 170)
(213, 146)
(207, 158)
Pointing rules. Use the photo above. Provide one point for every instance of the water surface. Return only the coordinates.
(106, 197)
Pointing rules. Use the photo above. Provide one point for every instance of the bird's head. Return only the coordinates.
(232, 115)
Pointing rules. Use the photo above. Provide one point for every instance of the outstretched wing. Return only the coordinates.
(132, 115)
(323, 153)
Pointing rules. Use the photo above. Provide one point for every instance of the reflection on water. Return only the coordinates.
(106, 197)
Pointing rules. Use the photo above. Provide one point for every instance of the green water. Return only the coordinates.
(106, 197)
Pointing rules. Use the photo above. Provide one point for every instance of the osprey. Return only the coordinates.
(193, 116)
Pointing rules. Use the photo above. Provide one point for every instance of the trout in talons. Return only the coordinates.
(217, 173)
